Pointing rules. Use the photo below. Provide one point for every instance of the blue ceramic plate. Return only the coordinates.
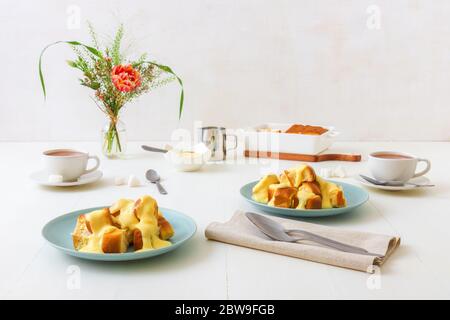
(355, 196)
(58, 233)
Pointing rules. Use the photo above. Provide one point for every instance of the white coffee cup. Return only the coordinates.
(395, 166)
(68, 163)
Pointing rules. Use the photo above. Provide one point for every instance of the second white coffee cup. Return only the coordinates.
(395, 166)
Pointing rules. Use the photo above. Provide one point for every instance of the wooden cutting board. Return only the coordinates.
(303, 157)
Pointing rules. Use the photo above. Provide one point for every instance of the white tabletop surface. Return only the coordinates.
(203, 269)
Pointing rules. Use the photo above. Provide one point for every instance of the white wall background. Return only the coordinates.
(243, 62)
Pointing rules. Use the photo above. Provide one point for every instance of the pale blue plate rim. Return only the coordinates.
(127, 256)
(245, 192)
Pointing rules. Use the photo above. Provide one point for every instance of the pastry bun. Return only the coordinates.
(306, 129)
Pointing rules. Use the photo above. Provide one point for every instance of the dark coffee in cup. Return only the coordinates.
(63, 153)
(391, 156)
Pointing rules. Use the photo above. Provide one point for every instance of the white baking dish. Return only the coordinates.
(287, 142)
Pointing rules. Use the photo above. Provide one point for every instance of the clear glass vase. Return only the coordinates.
(114, 139)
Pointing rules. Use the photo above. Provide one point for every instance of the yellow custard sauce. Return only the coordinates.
(100, 224)
(147, 212)
(112, 230)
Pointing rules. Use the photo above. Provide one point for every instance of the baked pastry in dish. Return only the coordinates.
(298, 188)
(297, 129)
(112, 230)
(306, 129)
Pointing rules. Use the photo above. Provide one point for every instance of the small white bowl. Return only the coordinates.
(185, 158)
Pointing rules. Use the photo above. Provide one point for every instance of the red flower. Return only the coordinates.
(125, 78)
(99, 95)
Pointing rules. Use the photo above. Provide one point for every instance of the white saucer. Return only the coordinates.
(41, 177)
(419, 180)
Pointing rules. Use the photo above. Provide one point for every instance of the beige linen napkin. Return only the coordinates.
(240, 231)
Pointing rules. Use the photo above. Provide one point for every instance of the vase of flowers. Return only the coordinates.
(116, 81)
(114, 138)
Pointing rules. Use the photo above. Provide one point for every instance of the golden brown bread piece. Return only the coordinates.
(81, 233)
(295, 201)
(138, 243)
(260, 191)
(308, 200)
(165, 228)
(303, 173)
(314, 203)
(337, 199)
(142, 206)
(101, 217)
(271, 190)
(332, 194)
(287, 178)
(148, 230)
(306, 129)
(96, 231)
(125, 212)
(137, 203)
(313, 187)
(283, 197)
(310, 195)
(115, 241)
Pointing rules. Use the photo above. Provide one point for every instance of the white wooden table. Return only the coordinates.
(203, 269)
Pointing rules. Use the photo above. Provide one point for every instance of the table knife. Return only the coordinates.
(276, 231)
